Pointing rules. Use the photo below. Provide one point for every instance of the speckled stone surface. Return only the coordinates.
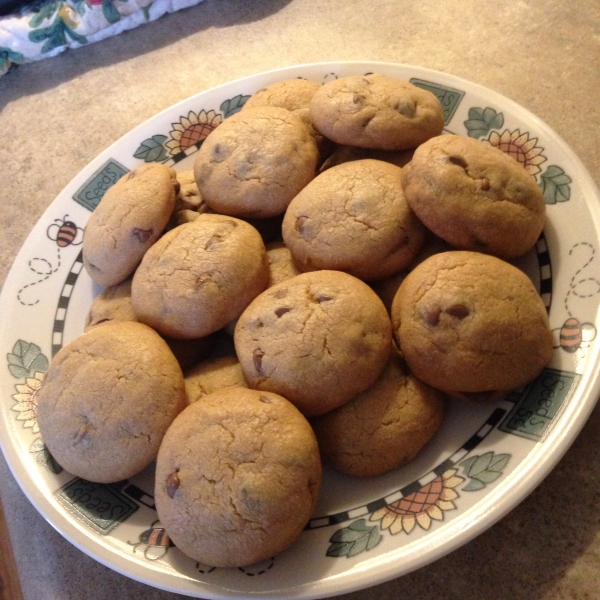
(58, 114)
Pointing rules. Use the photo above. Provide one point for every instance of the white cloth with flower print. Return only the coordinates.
(46, 29)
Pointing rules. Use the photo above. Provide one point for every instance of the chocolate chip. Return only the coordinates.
(405, 108)
(81, 434)
(265, 399)
(142, 234)
(219, 153)
(212, 242)
(257, 356)
(173, 483)
(458, 160)
(320, 298)
(431, 316)
(300, 221)
(485, 184)
(460, 311)
(282, 310)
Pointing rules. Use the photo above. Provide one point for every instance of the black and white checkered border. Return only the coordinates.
(415, 486)
(543, 255)
(63, 304)
(177, 158)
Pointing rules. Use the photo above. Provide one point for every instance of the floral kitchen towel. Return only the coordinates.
(44, 29)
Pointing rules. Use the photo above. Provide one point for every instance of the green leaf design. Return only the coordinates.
(352, 540)
(8, 56)
(152, 149)
(554, 183)
(233, 105)
(26, 359)
(45, 11)
(473, 486)
(483, 469)
(111, 14)
(482, 120)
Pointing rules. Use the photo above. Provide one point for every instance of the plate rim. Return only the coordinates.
(493, 513)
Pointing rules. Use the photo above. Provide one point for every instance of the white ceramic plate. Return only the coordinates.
(482, 463)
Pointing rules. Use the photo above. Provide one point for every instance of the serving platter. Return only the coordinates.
(484, 460)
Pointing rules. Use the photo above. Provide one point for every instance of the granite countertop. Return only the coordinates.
(59, 113)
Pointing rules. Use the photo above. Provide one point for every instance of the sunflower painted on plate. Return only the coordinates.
(421, 507)
(192, 129)
(27, 400)
(520, 147)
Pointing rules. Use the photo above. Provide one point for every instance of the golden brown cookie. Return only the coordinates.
(129, 219)
(237, 477)
(468, 322)
(294, 95)
(213, 374)
(383, 427)
(475, 196)
(281, 263)
(354, 218)
(376, 111)
(189, 197)
(114, 304)
(107, 399)
(255, 162)
(200, 276)
(317, 339)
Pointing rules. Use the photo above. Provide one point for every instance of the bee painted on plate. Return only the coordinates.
(574, 337)
(156, 541)
(65, 233)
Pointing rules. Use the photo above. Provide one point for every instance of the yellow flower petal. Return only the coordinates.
(26, 415)
(396, 526)
(388, 520)
(536, 160)
(193, 117)
(435, 512)
(448, 494)
(379, 514)
(522, 139)
(453, 482)
(408, 523)
(494, 138)
(446, 504)
(528, 145)
(424, 521)
(514, 136)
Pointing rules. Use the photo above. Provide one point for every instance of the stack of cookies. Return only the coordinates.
(331, 269)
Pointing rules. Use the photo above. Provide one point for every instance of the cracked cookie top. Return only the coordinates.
(474, 196)
(469, 323)
(354, 218)
(237, 477)
(130, 218)
(382, 428)
(107, 400)
(317, 339)
(376, 111)
(255, 162)
(200, 276)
